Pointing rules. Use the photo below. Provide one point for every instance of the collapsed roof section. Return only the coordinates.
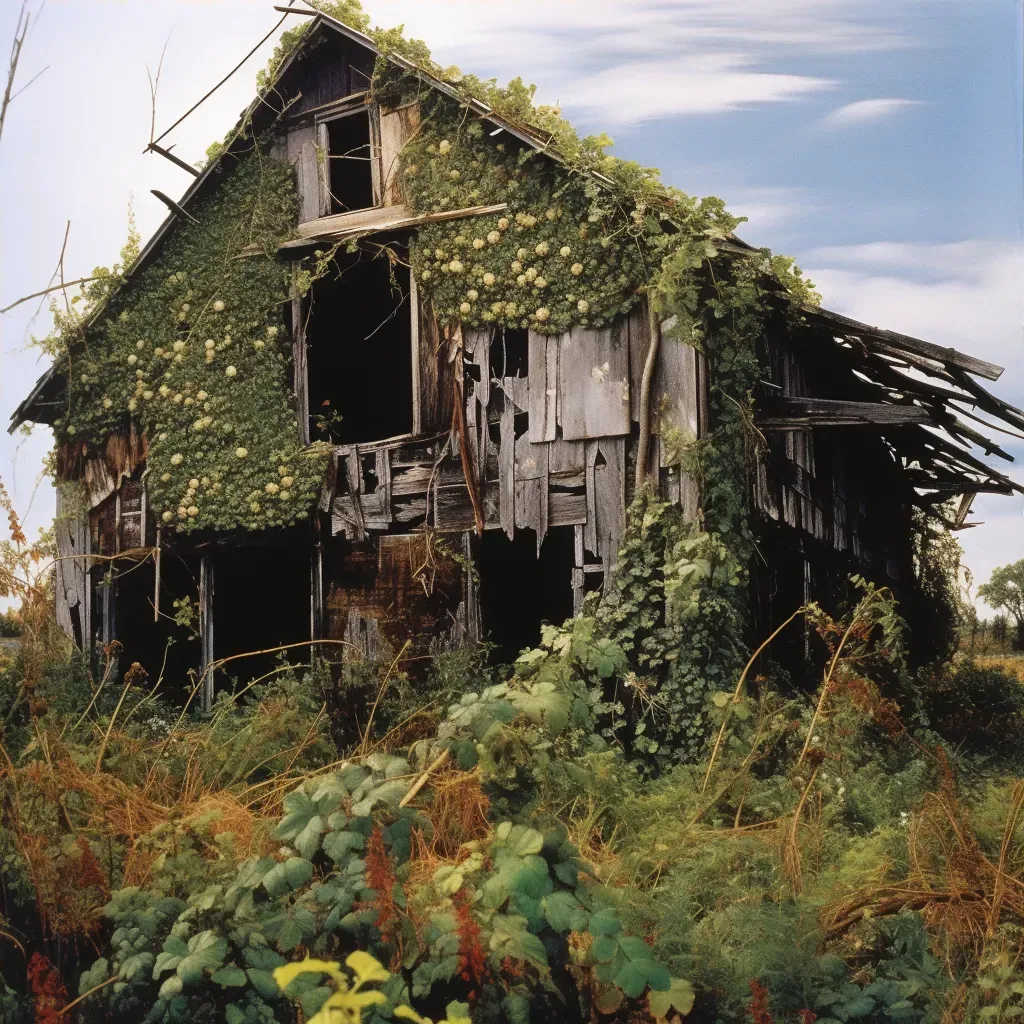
(924, 391)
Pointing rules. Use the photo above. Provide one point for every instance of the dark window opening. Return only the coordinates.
(360, 351)
(165, 649)
(349, 156)
(519, 590)
(261, 600)
(509, 355)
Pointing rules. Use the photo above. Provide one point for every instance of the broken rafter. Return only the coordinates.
(172, 205)
(184, 165)
(801, 413)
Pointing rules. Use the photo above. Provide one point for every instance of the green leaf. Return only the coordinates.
(229, 976)
(338, 845)
(630, 980)
(263, 982)
(604, 948)
(206, 951)
(170, 988)
(564, 912)
(679, 996)
(287, 876)
(605, 922)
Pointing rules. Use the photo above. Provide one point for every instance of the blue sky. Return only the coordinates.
(879, 143)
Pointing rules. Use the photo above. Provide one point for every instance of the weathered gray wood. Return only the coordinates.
(71, 573)
(593, 382)
(566, 508)
(206, 627)
(376, 171)
(606, 465)
(506, 467)
(532, 508)
(801, 413)
(531, 459)
(453, 509)
(396, 128)
(517, 389)
(566, 462)
(302, 155)
(674, 401)
(542, 393)
(300, 366)
(639, 330)
(323, 167)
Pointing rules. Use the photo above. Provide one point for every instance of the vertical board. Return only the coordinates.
(543, 386)
(396, 128)
(300, 368)
(606, 494)
(506, 467)
(639, 329)
(593, 382)
(71, 573)
(302, 156)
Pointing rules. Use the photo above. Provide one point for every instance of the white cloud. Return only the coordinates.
(863, 111)
(769, 207)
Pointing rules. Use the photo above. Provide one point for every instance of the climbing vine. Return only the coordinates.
(193, 350)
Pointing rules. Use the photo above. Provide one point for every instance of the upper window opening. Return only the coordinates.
(349, 161)
(509, 353)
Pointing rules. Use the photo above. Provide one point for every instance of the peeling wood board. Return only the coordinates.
(396, 128)
(542, 391)
(517, 390)
(674, 400)
(639, 330)
(323, 148)
(531, 460)
(301, 147)
(593, 382)
(71, 572)
(567, 461)
(506, 467)
(532, 508)
(566, 508)
(606, 497)
(453, 509)
(411, 479)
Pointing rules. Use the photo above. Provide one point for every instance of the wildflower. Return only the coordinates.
(516, 267)
(177, 458)
(287, 481)
(472, 295)
(193, 511)
(271, 488)
(454, 175)
(132, 405)
(255, 506)
(140, 344)
(132, 359)
(147, 394)
(455, 267)
(489, 279)
(189, 401)
(542, 249)
(543, 313)
(583, 305)
(209, 343)
(158, 351)
(550, 214)
(218, 306)
(521, 280)
(285, 495)
(444, 147)
(425, 275)
(107, 403)
(502, 223)
(178, 345)
(182, 512)
(271, 331)
(230, 371)
(202, 396)
(258, 344)
(177, 398)
(522, 253)
(464, 307)
(564, 251)
(164, 390)
(167, 516)
(510, 309)
(531, 274)
(478, 243)
(241, 453)
(540, 282)
(576, 269)
(493, 236)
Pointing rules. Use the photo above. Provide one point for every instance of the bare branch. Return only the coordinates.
(21, 34)
(154, 86)
(46, 291)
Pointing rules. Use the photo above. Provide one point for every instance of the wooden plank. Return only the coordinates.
(71, 571)
(542, 394)
(300, 367)
(323, 148)
(531, 487)
(566, 462)
(674, 401)
(593, 382)
(453, 509)
(414, 347)
(639, 330)
(396, 128)
(376, 171)
(800, 413)
(301, 148)
(567, 508)
(531, 460)
(607, 457)
(506, 467)
(900, 344)
(206, 627)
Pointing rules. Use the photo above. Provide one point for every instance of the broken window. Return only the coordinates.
(349, 155)
(519, 590)
(509, 354)
(360, 349)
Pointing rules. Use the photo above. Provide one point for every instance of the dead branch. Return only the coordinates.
(21, 32)
(47, 291)
(154, 86)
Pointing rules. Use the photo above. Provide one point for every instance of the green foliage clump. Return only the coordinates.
(193, 350)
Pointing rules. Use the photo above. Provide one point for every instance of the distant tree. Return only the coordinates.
(1005, 590)
(999, 630)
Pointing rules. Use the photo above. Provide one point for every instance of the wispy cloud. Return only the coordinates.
(863, 111)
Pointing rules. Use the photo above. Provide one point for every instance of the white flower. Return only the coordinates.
(502, 223)
(209, 343)
(282, 470)
(201, 396)
(162, 435)
(254, 505)
(165, 477)
(464, 307)
(178, 345)
(192, 510)
(488, 279)
(182, 512)
(550, 214)
(158, 351)
(542, 249)
(167, 516)
(107, 403)
(543, 313)
(132, 405)
(218, 306)
(147, 394)
(472, 295)
(516, 267)
(540, 282)
(177, 458)
(271, 488)
(510, 309)
(478, 243)
(531, 273)
(205, 481)
(258, 344)
(164, 390)
(177, 398)
(241, 453)
(287, 481)
(185, 307)
(583, 305)
(493, 236)
(444, 147)
(133, 359)
(577, 269)
(190, 401)
(140, 344)
(285, 495)
(230, 371)
(564, 251)
(521, 280)
(455, 267)
(272, 331)
(521, 253)
(454, 175)
(425, 276)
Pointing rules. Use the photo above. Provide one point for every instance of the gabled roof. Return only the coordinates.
(902, 369)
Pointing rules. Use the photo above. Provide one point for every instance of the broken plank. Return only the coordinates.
(567, 508)
(542, 389)
(593, 382)
(506, 466)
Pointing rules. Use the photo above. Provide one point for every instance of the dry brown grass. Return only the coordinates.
(1011, 664)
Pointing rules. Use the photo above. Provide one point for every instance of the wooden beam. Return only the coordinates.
(184, 165)
(901, 344)
(172, 205)
(801, 413)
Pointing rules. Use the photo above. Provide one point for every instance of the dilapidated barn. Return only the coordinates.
(472, 463)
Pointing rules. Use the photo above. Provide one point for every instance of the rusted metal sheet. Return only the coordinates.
(394, 588)
(593, 382)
